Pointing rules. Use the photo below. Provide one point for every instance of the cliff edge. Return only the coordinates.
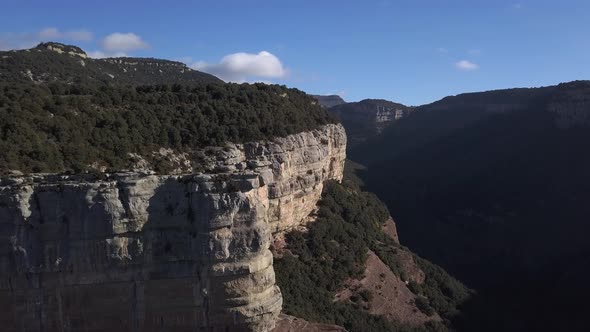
(141, 252)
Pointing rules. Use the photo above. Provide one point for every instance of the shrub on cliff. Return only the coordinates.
(57, 127)
(334, 249)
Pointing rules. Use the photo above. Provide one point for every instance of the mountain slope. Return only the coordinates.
(366, 119)
(329, 100)
(55, 62)
(493, 186)
(345, 270)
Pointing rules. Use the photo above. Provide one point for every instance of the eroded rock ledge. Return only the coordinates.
(141, 252)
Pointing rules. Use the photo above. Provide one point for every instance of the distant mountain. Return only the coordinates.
(55, 62)
(565, 102)
(494, 187)
(329, 101)
(367, 118)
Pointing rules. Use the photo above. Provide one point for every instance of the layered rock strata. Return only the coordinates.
(141, 252)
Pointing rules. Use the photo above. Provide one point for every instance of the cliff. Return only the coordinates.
(140, 252)
(329, 100)
(368, 118)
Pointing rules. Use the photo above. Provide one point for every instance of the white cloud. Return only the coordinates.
(101, 54)
(474, 51)
(49, 34)
(20, 40)
(466, 65)
(242, 67)
(96, 54)
(123, 42)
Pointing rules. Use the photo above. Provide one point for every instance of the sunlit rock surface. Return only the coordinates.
(141, 252)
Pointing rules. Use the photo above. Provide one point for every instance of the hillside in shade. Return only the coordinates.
(328, 101)
(491, 186)
(368, 118)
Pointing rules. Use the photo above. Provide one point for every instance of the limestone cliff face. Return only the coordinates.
(368, 118)
(140, 252)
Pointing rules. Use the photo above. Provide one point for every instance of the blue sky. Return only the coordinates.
(413, 52)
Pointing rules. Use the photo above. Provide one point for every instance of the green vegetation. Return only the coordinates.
(334, 249)
(424, 306)
(58, 127)
(444, 293)
(45, 66)
(63, 112)
(366, 295)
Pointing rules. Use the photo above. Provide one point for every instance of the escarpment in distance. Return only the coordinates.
(142, 252)
(329, 100)
(480, 183)
(368, 118)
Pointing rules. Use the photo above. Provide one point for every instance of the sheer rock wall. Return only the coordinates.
(141, 252)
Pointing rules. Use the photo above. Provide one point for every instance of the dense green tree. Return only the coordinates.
(59, 127)
(334, 249)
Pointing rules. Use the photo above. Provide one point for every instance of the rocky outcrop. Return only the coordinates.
(329, 100)
(142, 252)
(368, 118)
(390, 229)
(67, 49)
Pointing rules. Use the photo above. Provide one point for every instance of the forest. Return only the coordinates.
(59, 127)
(334, 249)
